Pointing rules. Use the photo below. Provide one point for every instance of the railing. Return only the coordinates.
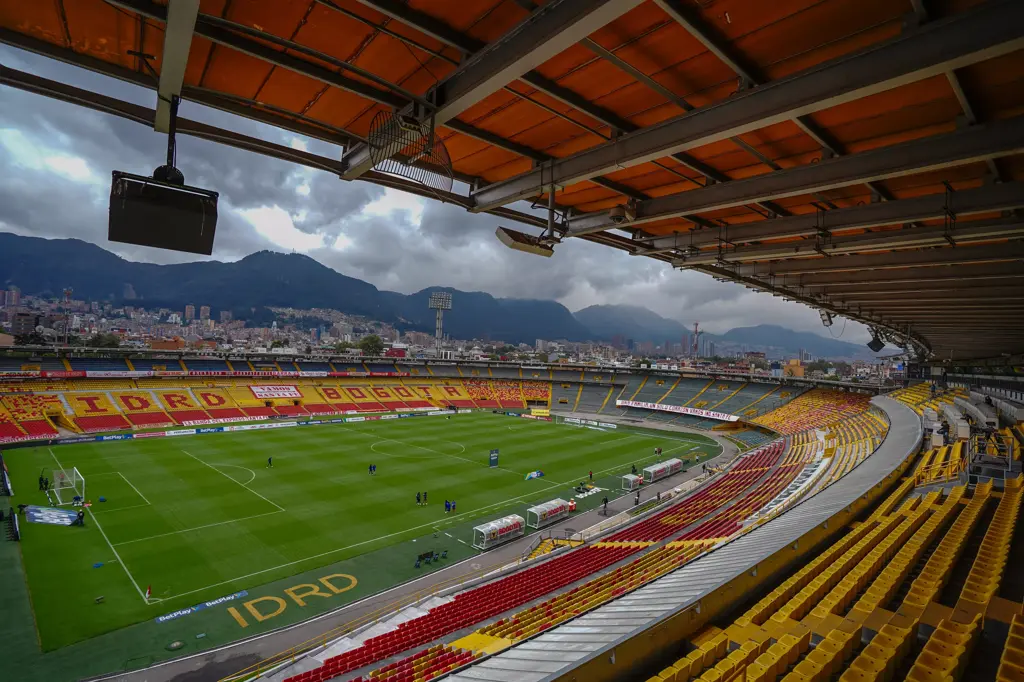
(939, 473)
(322, 641)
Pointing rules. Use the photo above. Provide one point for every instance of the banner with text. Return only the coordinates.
(270, 392)
(678, 409)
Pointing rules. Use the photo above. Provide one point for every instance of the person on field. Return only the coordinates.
(417, 499)
(447, 506)
(270, 462)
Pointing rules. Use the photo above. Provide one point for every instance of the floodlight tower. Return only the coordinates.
(67, 320)
(440, 301)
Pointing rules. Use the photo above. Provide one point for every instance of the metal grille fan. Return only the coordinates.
(405, 147)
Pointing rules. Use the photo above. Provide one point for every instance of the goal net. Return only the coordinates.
(66, 485)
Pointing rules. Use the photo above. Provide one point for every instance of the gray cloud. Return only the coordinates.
(400, 250)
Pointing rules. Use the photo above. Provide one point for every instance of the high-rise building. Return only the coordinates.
(225, 316)
(3, 297)
(190, 312)
(204, 312)
(13, 296)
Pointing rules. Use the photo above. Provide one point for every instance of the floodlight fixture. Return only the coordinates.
(439, 301)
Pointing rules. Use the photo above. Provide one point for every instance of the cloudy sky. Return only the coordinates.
(56, 158)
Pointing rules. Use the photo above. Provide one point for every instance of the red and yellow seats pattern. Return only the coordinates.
(479, 391)
(93, 412)
(141, 408)
(814, 409)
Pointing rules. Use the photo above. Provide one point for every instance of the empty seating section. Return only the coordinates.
(592, 398)
(249, 404)
(363, 399)
(718, 394)
(33, 412)
(741, 400)
(380, 368)
(478, 604)
(566, 375)
(337, 399)
(99, 364)
(594, 592)
(206, 365)
(304, 366)
(743, 474)
(157, 365)
(218, 403)
(685, 391)
(450, 393)
(537, 391)
(9, 428)
(850, 441)
(857, 611)
(480, 392)
(563, 395)
(508, 393)
(814, 409)
(141, 408)
(410, 396)
(751, 438)
(95, 412)
(181, 406)
(505, 372)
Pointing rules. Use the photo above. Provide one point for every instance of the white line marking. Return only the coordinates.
(110, 511)
(235, 466)
(421, 447)
(280, 508)
(133, 487)
(100, 529)
(189, 530)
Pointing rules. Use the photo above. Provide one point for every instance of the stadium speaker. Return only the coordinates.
(520, 241)
(876, 344)
(165, 215)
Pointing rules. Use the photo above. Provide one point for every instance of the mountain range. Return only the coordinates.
(44, 267)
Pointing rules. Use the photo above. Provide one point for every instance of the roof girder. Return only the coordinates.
(975, 35)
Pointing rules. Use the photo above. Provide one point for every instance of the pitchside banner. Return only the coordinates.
(678, 409)
(270, 392)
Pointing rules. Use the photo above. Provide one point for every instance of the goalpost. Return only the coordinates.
(66, 485)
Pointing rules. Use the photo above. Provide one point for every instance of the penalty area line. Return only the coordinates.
(189, 530)
(105, 538)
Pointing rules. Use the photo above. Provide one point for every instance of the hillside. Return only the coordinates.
(46, 266)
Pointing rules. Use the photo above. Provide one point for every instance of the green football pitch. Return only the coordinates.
(201, 517)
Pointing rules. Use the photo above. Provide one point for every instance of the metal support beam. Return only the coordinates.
(979, 34)
(976, 143)
(181, 21)
(934, 292)
(994, 274)
(1010, 251)
(912, 238)
(548, 31)
(984, 199)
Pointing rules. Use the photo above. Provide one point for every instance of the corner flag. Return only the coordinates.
(534, 474)
(149, 590)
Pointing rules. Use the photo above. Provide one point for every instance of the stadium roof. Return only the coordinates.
(860, 156)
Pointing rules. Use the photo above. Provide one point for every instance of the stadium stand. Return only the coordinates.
(337, 399)
(206, 365)
(536, 392)
(685, 391)
(592, 398)
(480, 392)
(34, 412)
(505, 373)
(99, 364)
(94, 412)
(816, 408)
(363, 398)
(563, 395)
(218, 403)
(304, 366)
(9, 428)
(157, 365)
(410, 397)
(380, 368)
(181, 406)
(508, 393)
(141, 408)
(566, 375)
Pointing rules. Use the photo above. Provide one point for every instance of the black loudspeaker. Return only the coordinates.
(876, 345)
(163, 215)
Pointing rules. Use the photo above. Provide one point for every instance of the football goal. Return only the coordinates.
(65, 486)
